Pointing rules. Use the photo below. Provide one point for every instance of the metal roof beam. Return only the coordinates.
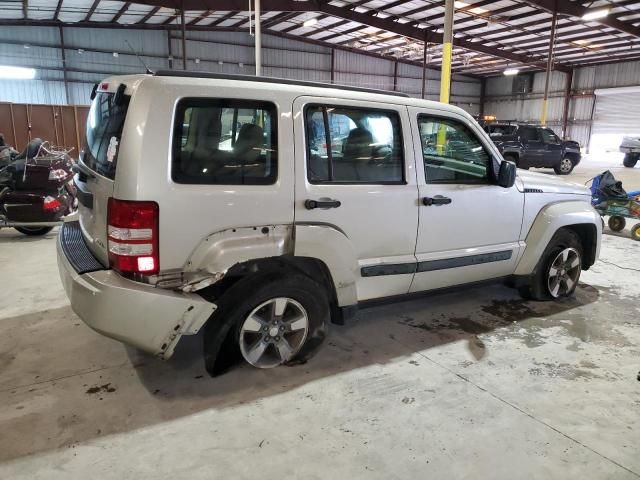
(574, 9)
(424, 34)
(57, 12)
(121, 12)
(235, 5)
(91, 10)
(151, 13)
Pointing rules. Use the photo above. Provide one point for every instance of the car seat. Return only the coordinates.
(357, 152)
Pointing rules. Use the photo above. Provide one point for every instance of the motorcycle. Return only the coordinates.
(36, 191)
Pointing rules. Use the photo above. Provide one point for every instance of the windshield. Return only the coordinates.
(104, 129)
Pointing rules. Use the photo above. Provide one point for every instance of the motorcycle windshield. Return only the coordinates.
(104, 129)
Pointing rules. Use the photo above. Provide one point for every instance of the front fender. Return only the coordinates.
(548, 221)
(330, 245)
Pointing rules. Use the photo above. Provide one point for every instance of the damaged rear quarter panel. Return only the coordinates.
(220, 251)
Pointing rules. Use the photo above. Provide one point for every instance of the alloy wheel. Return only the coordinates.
(274, 332)
(566, 165)
(564, 272)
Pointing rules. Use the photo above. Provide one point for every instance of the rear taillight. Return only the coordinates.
(50, 204)
(132, 236)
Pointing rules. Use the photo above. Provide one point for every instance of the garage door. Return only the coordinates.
(617, 114)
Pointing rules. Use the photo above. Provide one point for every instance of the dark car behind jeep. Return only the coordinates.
(534, 146)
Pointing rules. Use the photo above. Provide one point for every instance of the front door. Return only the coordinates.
(358, 177)
(469, 227)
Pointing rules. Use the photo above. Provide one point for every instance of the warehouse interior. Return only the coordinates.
(471, 383)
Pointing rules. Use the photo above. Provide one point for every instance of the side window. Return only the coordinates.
(452, 153)
(225, 142)
(353, 145)
(529, 134)
(549, 137)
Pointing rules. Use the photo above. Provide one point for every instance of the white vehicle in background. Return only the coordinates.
(262, 209)
(631, 148)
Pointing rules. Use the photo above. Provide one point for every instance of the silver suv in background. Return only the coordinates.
(262, 209)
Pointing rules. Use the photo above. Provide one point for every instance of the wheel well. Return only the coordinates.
(572, 155)
(587, 233)
(313, 268)
(515, 155)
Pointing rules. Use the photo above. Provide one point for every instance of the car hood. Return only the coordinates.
(546, 183)
(571, 144)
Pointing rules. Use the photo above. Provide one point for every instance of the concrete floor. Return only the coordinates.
(471, 385)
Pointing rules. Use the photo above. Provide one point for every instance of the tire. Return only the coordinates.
(563, 256)
(635, 232)
(617, 223)
(34, 231)
(565, 167)
(243, 326)
(509, 157)
(630, 160)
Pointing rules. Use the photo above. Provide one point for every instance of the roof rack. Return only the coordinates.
(250, 78)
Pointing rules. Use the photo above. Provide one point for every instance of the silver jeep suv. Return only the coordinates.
(261, 210)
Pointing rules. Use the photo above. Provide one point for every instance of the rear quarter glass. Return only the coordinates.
(105, 122)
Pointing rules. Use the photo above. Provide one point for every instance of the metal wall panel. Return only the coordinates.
(47, 35)
(225, 52)
(32, 91)
(525, 110)
(152, 42)
(605, 76)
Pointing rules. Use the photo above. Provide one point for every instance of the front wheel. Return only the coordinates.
(270, 320)
(558, 270)
(635, 232)
(34, 231)
(630, 160)
(565, 167)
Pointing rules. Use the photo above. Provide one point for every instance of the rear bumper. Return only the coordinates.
(148, 318)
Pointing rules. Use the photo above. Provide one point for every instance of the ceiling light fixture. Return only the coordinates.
(511, 71)
(311, 22)
(595, 14)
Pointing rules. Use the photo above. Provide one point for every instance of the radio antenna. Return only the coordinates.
(148, 70)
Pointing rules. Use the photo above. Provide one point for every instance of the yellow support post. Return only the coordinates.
(445, 75)
(447, 48)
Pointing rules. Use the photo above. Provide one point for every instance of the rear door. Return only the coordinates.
(552, 147)
(358, 161)
(532, 147)
(98, 161)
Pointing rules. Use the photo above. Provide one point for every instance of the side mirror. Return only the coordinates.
(507, 174)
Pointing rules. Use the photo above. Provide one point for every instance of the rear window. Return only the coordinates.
(104, 129)
(225, 142)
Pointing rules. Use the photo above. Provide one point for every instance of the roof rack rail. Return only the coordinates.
(250, 78)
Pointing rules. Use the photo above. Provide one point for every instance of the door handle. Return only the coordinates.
(311, 204)
(437, 200)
